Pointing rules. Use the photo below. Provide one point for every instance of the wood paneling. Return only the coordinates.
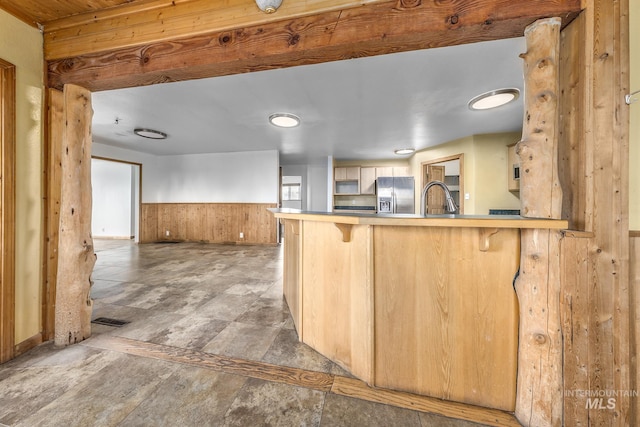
(446, 313)
(36, 12)
(373, 29)
(292, 276)
(207, 222)
(634, 317)
(337, 299)
(7, 209)
(575, 119)
(595, 71)
(576, 325)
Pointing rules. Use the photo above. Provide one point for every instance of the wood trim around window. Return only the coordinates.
(7, 209)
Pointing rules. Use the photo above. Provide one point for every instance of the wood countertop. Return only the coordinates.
(447, 220)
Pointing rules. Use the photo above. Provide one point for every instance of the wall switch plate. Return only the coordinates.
(241, 235)
(467, 196)
(166, 233)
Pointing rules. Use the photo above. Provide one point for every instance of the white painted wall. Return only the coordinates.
(320, 198)
(314, 185)
(112, 185)
(243, 177)
(329, 185)
(248, 177)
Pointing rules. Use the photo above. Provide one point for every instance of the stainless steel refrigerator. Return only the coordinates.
(395, 194)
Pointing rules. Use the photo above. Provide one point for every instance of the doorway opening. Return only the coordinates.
(116, 187)
(449, 170)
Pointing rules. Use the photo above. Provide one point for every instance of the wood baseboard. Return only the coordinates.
(28, 344)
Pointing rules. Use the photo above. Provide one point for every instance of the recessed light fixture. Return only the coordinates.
(494, 98)
(284, 120)
(150, 133)
(403, 151)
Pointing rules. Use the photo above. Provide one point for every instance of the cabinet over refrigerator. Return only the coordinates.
(395, 194)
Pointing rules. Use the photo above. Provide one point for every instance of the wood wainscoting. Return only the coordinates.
(208, 222)
(634, 319)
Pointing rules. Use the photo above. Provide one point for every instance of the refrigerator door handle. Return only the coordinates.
(393, 202)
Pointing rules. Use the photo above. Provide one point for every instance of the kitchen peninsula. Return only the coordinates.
(404, 302)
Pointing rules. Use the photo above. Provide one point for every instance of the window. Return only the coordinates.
(291, 192)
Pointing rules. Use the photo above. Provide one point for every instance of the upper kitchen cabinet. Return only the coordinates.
(401, 171)
(368, 180)
(393, 171)
(346, 180)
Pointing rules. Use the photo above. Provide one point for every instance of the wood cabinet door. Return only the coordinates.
(384, 171)
(368, 180)
(353, 173)
(401, 171)
(339, 174)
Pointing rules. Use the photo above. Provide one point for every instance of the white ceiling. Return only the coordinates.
(354, 109)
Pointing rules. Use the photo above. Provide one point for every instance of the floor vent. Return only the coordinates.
(109, 322)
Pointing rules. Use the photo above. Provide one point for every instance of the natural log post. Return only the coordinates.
(539, 389)
(75, 255)
(540, 191)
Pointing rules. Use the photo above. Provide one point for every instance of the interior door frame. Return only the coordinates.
(424, 166)
(7, 209)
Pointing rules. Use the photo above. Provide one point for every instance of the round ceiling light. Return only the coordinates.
(494, 98)
(404, 151)
(150, 133)
(284, 120)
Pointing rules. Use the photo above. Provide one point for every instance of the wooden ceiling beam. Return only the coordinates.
(373, 29)
(152, 21)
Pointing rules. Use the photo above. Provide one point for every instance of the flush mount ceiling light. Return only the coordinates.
(493, 99)
(268, 6)
(150, 133)
(403, 151)
(284, 120)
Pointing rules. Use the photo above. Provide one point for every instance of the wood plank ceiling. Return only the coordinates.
(39, 12)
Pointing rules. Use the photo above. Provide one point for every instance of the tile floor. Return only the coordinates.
(195, 300)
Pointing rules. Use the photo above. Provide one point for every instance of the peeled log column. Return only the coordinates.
(540, 191)
(75, 249)
(539, 390)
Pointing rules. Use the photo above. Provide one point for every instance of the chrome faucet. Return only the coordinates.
(451, 205)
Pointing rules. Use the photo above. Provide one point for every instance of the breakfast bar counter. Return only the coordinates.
(418, 304)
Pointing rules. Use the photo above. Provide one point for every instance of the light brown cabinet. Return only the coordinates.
(393, 171)
(513, 169)
(384, 171)
(401, 171)
(357, 180)
(368, 180)
(346, 180)
(347, 174)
